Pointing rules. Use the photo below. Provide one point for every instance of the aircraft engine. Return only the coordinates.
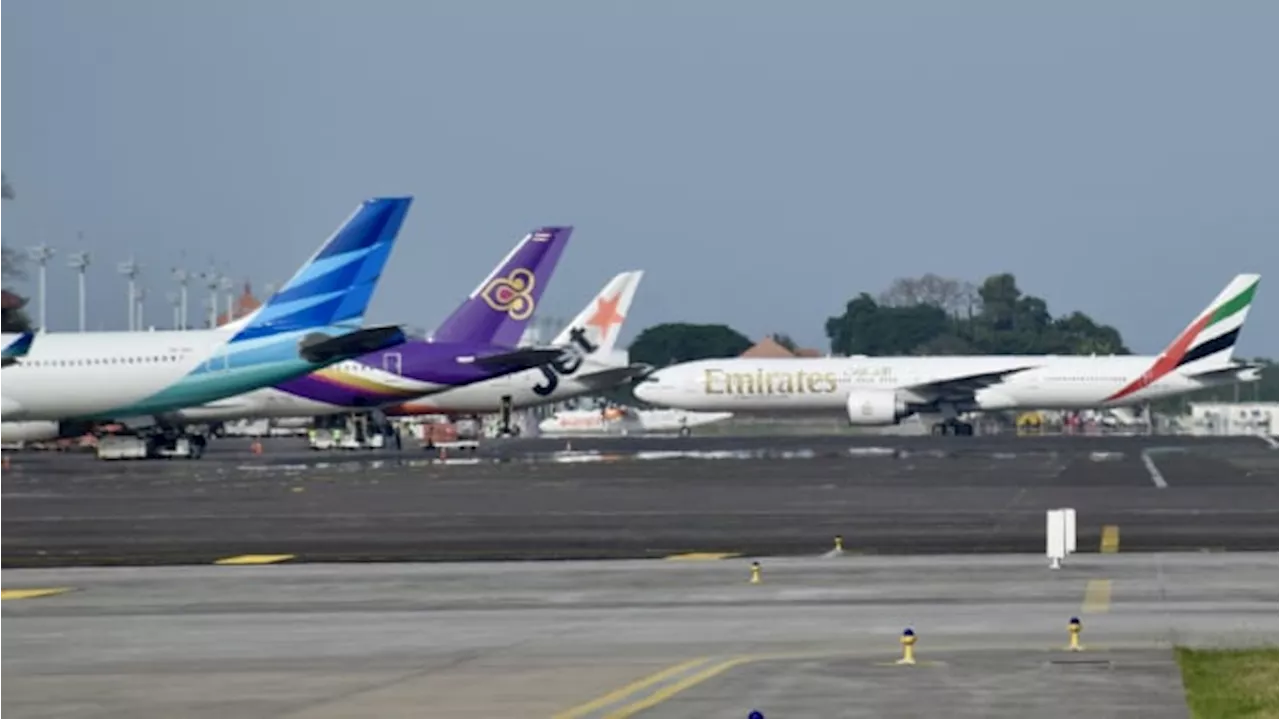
(40, 431)
(875, 408)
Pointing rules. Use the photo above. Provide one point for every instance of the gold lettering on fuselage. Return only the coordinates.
(760, 382)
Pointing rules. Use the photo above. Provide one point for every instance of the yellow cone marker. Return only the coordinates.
(755, 572)
(1073, 632)
(908, 641)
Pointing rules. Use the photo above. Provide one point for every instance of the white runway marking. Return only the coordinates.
(1155, 472)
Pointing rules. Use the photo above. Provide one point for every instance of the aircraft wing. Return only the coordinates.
(615, 376)
(524, 357)
(962, 387)
(16, 349)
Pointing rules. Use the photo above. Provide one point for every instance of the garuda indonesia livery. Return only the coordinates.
(132, 377)
(15, 346)
(878, 391)
(589, 364)
(475, 343)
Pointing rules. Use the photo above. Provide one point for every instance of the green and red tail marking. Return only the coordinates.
(1214, 331)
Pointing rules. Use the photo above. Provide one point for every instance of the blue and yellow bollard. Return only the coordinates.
(755, 572)
(1073, 632)
(908, 641)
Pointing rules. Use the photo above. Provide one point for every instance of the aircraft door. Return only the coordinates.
(391, 362)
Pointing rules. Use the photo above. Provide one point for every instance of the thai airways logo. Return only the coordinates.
(512, 294)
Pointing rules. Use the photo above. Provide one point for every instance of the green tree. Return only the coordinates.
(868, 328)
(935, 315)
(786, 341)
(11, 268)
(665, 344)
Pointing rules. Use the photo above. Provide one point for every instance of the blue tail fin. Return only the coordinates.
(334, 287)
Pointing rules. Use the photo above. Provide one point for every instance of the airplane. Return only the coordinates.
(627, 420)
(475, 343)
(589, 364)
(882, 391)
(75, 378)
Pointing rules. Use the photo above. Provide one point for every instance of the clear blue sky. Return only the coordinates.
(764, 162)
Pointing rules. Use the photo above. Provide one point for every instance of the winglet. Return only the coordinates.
(499, 308)
(18, 347)
(333, 288)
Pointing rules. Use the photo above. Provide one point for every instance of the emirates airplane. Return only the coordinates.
(880, 391)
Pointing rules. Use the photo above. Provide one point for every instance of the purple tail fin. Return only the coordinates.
(500, 307)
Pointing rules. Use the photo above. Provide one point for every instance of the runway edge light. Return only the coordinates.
(1073, 634)
(908, 641)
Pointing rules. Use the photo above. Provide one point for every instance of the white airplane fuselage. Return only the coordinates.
(548, 384)
(102, 374)
(825, 385)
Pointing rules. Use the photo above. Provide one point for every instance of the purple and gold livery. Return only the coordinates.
(475, 343)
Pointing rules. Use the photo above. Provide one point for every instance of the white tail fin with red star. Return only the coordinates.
(601, 320)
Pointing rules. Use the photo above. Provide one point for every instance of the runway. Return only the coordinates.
(528, 499)
(576, 640)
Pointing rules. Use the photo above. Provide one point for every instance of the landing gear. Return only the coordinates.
(505, 413)
(685, 431)
(952, 428)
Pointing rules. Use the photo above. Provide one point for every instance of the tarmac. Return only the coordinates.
(816, 637)
(615, 498)
(943, 536)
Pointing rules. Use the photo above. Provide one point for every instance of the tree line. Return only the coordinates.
(928, 315)
(11, 269)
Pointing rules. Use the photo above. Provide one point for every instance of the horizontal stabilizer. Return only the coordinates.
(524, 357)
(1239, 372)
(964, 386)
(353, 344)
(615, 376)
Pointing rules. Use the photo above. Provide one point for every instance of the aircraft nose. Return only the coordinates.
(645, 391)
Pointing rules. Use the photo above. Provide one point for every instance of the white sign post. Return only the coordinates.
(1055, 537)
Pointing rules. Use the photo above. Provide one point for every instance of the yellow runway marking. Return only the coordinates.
(701, 556)
(669, 691)
(255, 559)
(1097, 597)
(618, 695)
(31, 593)
(1110, 539)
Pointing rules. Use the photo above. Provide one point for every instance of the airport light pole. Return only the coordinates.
(181, 276)
(227, 285)
(40, 254)
(175, 304)
(141, 300)
(211, 281)
(130, 269)
(79, 261)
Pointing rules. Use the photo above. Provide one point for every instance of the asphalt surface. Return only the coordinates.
(631, 498)
(816, 637)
